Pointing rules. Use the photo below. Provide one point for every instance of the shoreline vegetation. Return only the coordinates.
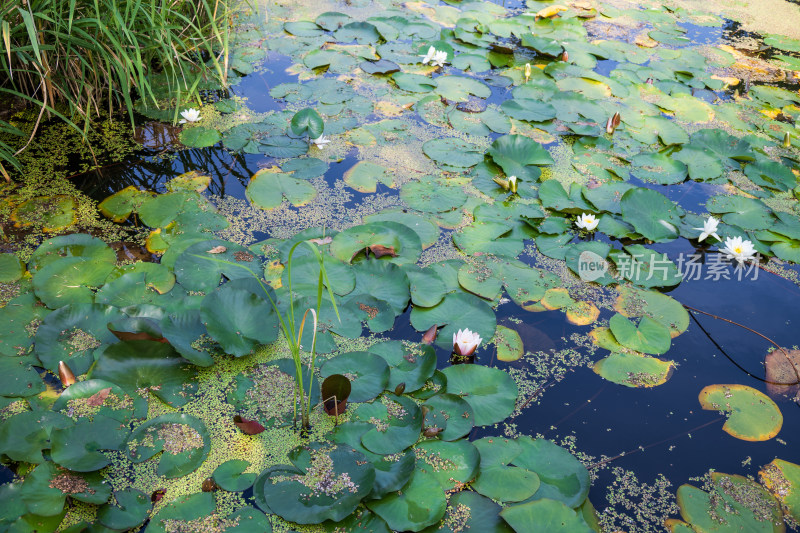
(76, 61)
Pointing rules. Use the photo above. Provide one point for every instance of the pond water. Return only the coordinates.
(654, 433)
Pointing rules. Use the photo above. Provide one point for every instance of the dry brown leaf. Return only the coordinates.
(322, 241)
(217, 250)
(97, 399)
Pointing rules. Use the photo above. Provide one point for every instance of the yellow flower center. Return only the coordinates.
(737, 249)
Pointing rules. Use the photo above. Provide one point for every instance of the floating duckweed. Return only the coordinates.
(69, 483)
(321, 477)
(8, 291)
(651, 504)
(78, 340)
(179, 438)
(380, 425)
(457, 518)
(13, 408)
(273, 391)
(393, 409)
(82, 407)
(749, 495)
(33, 326)
(435, 460)
(207, 524)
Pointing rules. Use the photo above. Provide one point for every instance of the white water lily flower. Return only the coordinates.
(427, 58)
(587, 221)
(320, 142)
(709, 228)
(465, 342)
(740, 249)
(190, 115)
(512, 183)
(439, 59)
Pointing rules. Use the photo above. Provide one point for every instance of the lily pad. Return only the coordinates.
(451, 463)
(368, 373)
(229, 476)
(397, 424)
(410, 365)
(450, 414)
(509, 344)
(653, 215)
(420, 503)
(490, 392)
(517, 155)
(753, 415)
(183, 439)
(545, 515)
(649, 336)
(782, 479)
(131, 509)
(267, 189)
(456, 311)
(634, 370)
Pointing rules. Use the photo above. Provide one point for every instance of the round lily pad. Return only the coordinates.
(420, 503)
(267, 189)
(19, 320)
(432, 195)
(634, 370)
(449, 413)
(653, 215)
(468, 511)
(70, 280)
(648, 337)
(782, 479)
(412, 366)
(544, 515)
(53, 213)
(509, 344)
(490, 392)
(397, 424)
(202, 265)
(46, 488)
(753, 415)
(498, 478)
(453, 152)
(662, 308)
(11, 268)
(451, 463)
(389, 241)
(131, 509)
(368, 373)
(119, 206)
(562, 476)
(456, 311)
(229, 476)
(183, 438)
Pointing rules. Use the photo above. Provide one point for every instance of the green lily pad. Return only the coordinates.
(183, 329)
(73, 245)
(229, 476)
(199, 137)
(414, 83)
(544, 515)
(46, 488)
(451, 463)
(11, 268)
(410, 365)
(432, 195)
(747, 213)
(781, 478)
(459, 88)
(389, 236)
(268, 188)
(202, 265)
(20, 318)
(307, 122)
(93, 397)
(634, 370)
(509, 344)
(184, 509)
(149, 365)
(646, 267)
(131, 509)
(303, 28)
(24, 435)
(634, 303)
(453, 152)
(456, 311)
(365, 176)
(490, 392)
(649, 336)
(528, 109)
(18, 377)
(70, 280)
(658, 168)
(397, 424)
(517, 155)
(427, 230)
(500, 480)
(368, 373)
(420, 503)
(451, 414)
(562, 476)
(79, 447)
(52, 213)
(73, 334)
(753, 415)
(283, 146)
(325, 483)
(182, 438)
(653, 215)
(467, 511)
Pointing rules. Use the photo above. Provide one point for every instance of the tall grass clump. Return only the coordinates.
(70, 59)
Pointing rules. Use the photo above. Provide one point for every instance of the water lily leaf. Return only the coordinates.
(53, 213)
(46, 488)
(634, 370)
(497, 478)
(183, 438)
(267, 189)
(432, 195)
(646, 267)
(303, 28)
(352, 242)
(24, 435)
(188, 181)
(119, 206)
(528, 109)
(360, 32)
(562, 476)
(239, 319)
(199, 137)
(771, 174)
(307, 122)
(414, 83)
(183, 329)
(427, 230)
(545, 515)
(634, 303)
(456, 311)
(18, 378)
(649, 337)
(516, 155)
(652, 214)
(475, 512)
(452, 464)
(658, 168)
(364, 176)
(73, 333)
(305, 168)
(333, 60)
(229, 476)
(382, 66)
(149, 365)
(184, 509)
(488, 238)
(412, 366)
(553, 196)
(781, 478)
(702, 164)
(753, 415)
(478, 278)
(297, 494)
(19, 320)
(131, 509)
(199, 270)
(490, 392)
(11, 268)
(420, 503)
(747, 213)
(509, 344)
(73, 245)
(283, 147)
(459, 88)
(367, 372)
(189, 210)
(98, 397)
(78, 448)
(556, 298)
(451, 414)
(383, 280)
(729, 150)
(726, 507)
(453, 152)
(70, 280)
